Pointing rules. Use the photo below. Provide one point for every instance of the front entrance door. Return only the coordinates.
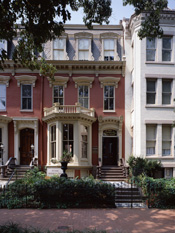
(110, 150)
(26, 140)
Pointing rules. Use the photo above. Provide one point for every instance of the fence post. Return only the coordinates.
(131, 193)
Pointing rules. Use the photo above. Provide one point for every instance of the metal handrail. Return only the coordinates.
(13, 173)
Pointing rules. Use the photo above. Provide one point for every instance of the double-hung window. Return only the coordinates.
(26, 96)
(109, 49)
(2, 97)
(109, 97)
(166, 140)
(58, 94)
(83, 93)
(68, 138)
(83, 49)
(58, 49)
(84, 142)
(166, 91)
(150, 49)
(53, 141)
(166, 48)
(150, 139)
(151, 91)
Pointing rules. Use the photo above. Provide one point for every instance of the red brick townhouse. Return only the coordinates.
(82, 110)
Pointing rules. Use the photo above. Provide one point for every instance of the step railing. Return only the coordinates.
(10, 164)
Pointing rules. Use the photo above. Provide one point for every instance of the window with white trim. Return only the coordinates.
(151, 139)
(109, 97)
(84, 142)
(53, 141)
(109, 49)
(58, 49)
(166, 91)
(150, 49)
(2, 97)
(83, 49)
(83, 96)
(151, 91)
(68, 138)
(26, 96)
(58, 94)
(166, 140)
(166, 48)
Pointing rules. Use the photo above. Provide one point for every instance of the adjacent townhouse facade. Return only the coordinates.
(150, 92)
(81, 111)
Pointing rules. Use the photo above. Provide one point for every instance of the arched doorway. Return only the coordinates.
(26, 140)
(110, 147)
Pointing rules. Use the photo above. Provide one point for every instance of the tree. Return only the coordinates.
(43, 20)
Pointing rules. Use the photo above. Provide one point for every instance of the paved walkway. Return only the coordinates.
(112, 220)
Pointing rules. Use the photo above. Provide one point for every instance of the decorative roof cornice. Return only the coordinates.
(74, 67)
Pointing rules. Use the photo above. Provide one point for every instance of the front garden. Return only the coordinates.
(36, 191)
(159, 193)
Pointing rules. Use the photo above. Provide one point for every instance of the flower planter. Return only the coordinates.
(64, 167)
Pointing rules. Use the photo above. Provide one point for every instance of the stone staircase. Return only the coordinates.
(112, 173)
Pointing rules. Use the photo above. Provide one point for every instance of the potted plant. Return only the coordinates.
(65, 159)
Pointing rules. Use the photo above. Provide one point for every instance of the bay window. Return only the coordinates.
(84, 142)
(53, 141)
(68, 138)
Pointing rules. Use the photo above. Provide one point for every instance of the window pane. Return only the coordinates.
(0, 135)
(109, 53)
(111, 104)
(83, 55)
(166, 132)
(24, 103)
(58, 55)
(70, 132)
(150, 43)
(55, 91)
(111, 91)
(106, 91)
(60, 91)
(2, 103)
(166, 43)
(151, 85)
(166, 86)
(81, 101)
(58, 44)
(83, 44)
(109, 44)
(85, 91)
(26, 90)
(85, 105)
(65, 132)
(80, 91)
(106, 104)
(150, 55)
(166, 98)
(2, 91)
(151, 98)
(151, 132)
(166, 55)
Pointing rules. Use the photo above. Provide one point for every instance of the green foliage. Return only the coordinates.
(58, 193)
(150, 26)
(140, 165)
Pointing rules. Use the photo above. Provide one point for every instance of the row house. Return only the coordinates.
(150, 92)
(82, 110)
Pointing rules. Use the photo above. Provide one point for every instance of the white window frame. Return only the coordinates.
(27, 109)
(88, 98)
(151, 49)
(152, 140)
(167, 93)
(164, 49)
(58, 93)
(53, 154)
(64, 38)
(3, 97)
(151, 92)
(167, 140)
(109, 110)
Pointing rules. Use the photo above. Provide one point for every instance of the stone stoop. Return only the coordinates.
(112, 173)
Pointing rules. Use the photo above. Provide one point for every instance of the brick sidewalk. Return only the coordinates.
(112, 220)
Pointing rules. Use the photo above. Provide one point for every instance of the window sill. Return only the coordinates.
(108, 110)
(159, 106)
(26, 110)
(159, 63)
(159, 157)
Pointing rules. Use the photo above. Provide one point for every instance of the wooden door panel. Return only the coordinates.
(26, 140)
(110, 151)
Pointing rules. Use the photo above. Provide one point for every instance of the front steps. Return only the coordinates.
(112, 173)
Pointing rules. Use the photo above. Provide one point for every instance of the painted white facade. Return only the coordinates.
(139, 114)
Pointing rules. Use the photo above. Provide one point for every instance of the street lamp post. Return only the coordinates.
(32, 151)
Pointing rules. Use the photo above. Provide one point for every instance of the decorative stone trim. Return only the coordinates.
(58, 80)
(117, 121)
(109, 35)
(28, 122)
(83, 35)
(86, 81)
(5, 119)
(4, 80)
(25, 79)
(109, 81)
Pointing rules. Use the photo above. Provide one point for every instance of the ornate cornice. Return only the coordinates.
(109, 81)
(4, 80)
(58, 80)
(26, 79)
(87, 81)
(115, 122)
